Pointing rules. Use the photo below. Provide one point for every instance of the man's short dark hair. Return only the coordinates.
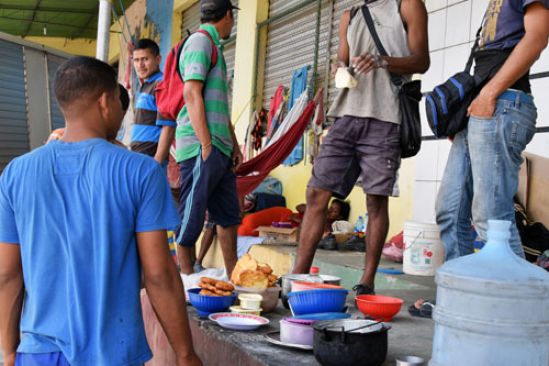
(83, 77)
(345, 209)
(148, 44)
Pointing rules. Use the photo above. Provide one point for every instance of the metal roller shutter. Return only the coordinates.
(191, 19)
(229, 51)
(14, 131)
(339, 7)
(57, 119)
(291, 43)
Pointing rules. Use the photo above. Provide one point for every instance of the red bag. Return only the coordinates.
(169, 92)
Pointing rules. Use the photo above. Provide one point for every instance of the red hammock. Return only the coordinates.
(272, 156)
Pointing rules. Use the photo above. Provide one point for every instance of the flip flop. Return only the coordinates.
(424, 311)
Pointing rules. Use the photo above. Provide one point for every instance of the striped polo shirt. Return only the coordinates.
(195, 63)
(147, 124)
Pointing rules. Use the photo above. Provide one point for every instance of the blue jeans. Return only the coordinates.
(481, 176)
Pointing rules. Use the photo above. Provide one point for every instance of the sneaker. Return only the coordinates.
(363, 289)
(197, 267)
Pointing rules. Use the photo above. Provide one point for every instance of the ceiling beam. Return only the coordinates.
(78, 33)
(45, 9)
(47, 23)
(26, 32)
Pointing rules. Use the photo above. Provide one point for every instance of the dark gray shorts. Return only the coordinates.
(354, 146)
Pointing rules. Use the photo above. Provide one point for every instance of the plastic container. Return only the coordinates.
(317, 301)
(304, 286)
(323, 316)
(270, 296)
(492, 308)
(314, 275)
(250, 301)
(296, 332)
(379, 307)
(206, 305)
(423, 249)
(239, 310)
(359, 225)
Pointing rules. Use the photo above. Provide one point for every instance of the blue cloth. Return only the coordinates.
(481, 176)
(503, 25)
(299, 85)
(74, 209)
(41, 359)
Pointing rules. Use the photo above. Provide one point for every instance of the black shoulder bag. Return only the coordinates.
(409, 95)
(447, 104)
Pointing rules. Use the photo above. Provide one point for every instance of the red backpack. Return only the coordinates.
(169, 92)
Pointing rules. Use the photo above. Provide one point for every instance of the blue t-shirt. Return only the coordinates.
(74, 209)
(503, 24)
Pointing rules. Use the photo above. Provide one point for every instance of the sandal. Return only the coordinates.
(422, 308)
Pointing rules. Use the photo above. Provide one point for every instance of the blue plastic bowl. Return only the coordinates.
(317, 301)
(206, 305)
(323, 316)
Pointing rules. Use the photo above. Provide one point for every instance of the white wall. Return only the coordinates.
(452, 28)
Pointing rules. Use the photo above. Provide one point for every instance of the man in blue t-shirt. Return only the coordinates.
(82, 221)
(481, 176)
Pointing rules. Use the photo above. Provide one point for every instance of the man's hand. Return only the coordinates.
(483, 106)
(206, 151)
(365, 63)
(237, 157)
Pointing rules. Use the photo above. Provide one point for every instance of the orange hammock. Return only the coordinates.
(251, 173)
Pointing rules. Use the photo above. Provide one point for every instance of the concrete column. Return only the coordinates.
(253, 12)
(103, 29)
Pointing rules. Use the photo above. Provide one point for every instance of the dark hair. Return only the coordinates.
(148, 44)
(81, 77)
(213, 18)
(124, 97)
(345, 208)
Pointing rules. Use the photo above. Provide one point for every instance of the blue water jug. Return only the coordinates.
(492, 308)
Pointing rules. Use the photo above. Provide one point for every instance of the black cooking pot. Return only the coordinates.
(350, 342)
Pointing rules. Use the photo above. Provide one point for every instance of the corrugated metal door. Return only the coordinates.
(339, 7)
(291, 43)
(14, 131)
(191, 19)
(57, 119)
(229, 51)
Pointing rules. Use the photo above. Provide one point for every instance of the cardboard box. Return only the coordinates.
(279, 234)
(533, 191)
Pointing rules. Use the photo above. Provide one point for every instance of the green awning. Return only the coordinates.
(53, 18)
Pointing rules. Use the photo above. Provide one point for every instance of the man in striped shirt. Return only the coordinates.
(207, 149)
(150, 135)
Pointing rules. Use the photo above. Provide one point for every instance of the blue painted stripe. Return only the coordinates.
(431, 102)
(458, 85)
(145, 133)
(166, 122)
(442, 100)
(146, 101)
(189, 200)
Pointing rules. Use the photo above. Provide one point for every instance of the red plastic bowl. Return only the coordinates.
(382, 308)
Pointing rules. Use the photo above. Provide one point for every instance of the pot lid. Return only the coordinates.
(349, 326)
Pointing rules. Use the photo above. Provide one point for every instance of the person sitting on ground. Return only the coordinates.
(82, 224)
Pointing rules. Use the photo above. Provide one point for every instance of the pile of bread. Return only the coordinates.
(249, 273)
(213, 287)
